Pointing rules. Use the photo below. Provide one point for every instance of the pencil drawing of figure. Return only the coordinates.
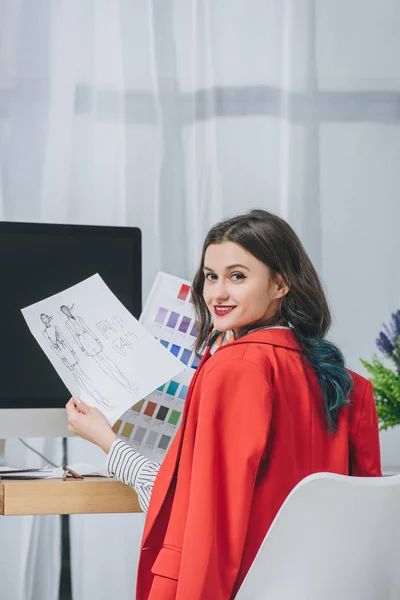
(90, 344)
(66, 353)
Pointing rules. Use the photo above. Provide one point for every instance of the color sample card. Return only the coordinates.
(175, 349)
(150, 409)
(139, 435)
(117, 426)
(127, 430)
(174, 417)
(164, 442)
(186, 355)
(173, 319)
(162, 413)
(172, 388)
(184, 291)
(162, 313)
(152, 438)
(138, 406)
(196, 362)
(183, 392)
(169, 315)
(184, 324)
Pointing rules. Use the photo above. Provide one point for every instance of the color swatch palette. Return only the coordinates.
(173, 320)
(188, 357)
(175, 389)
(151, 424)
(161, 412)
(156, 415)
(139, 436)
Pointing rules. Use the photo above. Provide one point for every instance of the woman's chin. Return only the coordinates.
(224, 325)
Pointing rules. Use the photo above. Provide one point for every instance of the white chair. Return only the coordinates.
(334, 538)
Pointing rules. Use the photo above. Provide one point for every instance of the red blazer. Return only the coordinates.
(252, 428)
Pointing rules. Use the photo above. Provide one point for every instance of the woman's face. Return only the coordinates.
(238, 289)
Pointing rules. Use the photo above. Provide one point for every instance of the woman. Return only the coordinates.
(262, 412)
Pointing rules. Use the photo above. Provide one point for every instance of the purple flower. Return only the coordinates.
(384, 344)
(390, 332)
(396, 323)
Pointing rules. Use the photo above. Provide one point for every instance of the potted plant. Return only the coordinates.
(386, 380)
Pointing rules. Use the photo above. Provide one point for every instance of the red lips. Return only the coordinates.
(221, 311)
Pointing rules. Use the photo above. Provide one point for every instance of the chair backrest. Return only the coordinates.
(334, 538)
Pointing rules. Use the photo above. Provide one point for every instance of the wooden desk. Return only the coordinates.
(57, 497)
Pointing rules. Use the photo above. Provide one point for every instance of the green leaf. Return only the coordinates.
(386, 385)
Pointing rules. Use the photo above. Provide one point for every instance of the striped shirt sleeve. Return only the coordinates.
(134, 469)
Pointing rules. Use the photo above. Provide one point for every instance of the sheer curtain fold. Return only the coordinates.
(170, 116)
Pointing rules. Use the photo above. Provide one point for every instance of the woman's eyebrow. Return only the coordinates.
(237, 266)
(229, 267)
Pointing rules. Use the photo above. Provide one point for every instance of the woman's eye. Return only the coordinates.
(237, 276)
(210, 276)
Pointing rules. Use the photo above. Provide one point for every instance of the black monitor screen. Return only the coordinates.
(37, 261)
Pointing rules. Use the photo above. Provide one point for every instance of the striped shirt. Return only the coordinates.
(134, 469)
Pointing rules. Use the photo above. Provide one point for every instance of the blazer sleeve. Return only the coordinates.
(232, 430)
(365, 457)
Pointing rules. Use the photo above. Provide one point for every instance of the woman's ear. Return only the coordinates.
(282, 287)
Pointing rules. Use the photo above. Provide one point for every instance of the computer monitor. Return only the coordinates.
(37, 261)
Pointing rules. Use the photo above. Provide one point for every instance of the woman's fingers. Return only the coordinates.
(90, 424)
(71, 408)
(83, 408)
(75, 403)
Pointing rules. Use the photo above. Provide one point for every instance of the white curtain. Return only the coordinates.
(170, 115)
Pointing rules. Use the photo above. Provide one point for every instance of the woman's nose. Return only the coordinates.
(221, 291)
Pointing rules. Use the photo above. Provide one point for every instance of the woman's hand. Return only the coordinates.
(90, 424)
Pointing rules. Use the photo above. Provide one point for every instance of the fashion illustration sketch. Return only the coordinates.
(66, 353)
(90, 344)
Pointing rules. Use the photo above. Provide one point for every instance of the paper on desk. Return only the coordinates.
(6, 469)
(101, 352)
(16, 473)
(84, 469)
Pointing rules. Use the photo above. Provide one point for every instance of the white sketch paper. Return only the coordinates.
(150, 425)
(101, 352)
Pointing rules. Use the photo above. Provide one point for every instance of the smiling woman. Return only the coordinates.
(239, 290)
(276, 391)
